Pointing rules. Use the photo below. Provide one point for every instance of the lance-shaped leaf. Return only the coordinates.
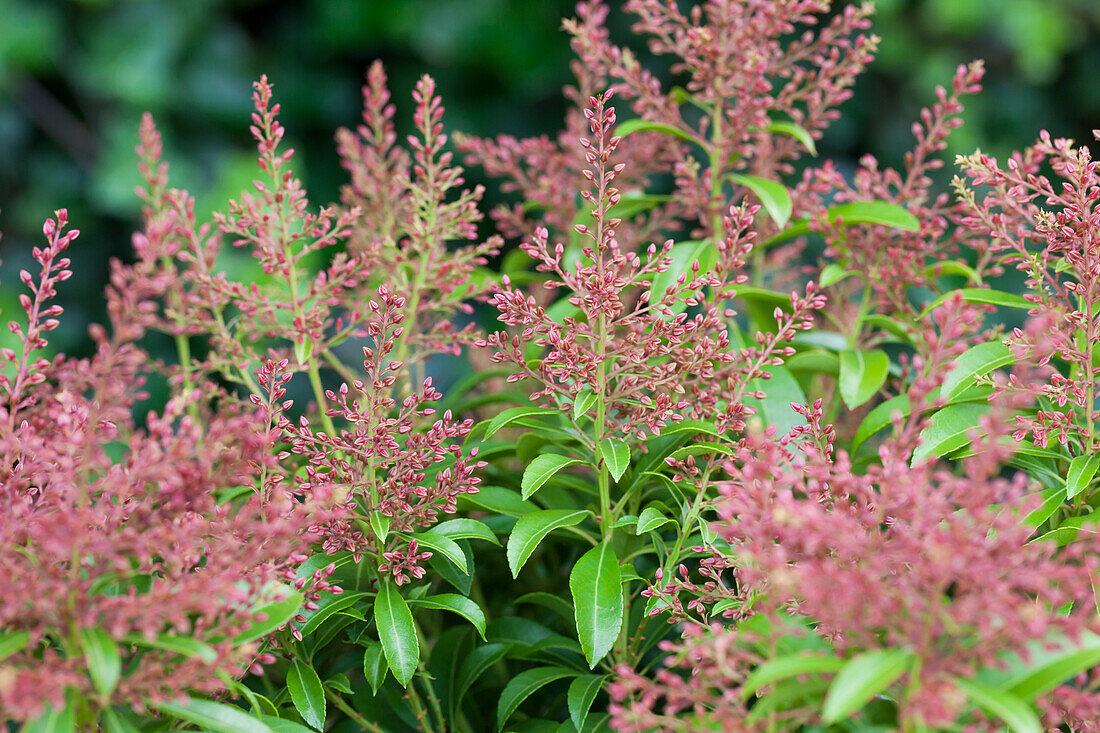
(531, 528)
(861, 679)
(455, 603)
(616, 455)
(596, 585)
(397, 632)
(523, 685)
(772, 194)
(862, 373)
(540, 470)
(307, 693)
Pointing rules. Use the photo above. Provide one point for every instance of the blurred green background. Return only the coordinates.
(75, 77)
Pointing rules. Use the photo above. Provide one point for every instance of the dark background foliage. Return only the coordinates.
(76, 75)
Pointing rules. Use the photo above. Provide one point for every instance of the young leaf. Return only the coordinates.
(862, 374)
(102, 659)
(213, 716)
(374, 666)
(540, 470)
(1009, 708)
(443, 545)
(772, 194)
(465, 529)
(531, 528)
(583, 403)
(616, 454)
(515, 413)
(582, 692)
(455, 603)
(307, 693)
(833, 273)
(650, 519)
(801, 134)
(597, 601)
(397, 632)
(861, 679)
(380, 525)
(781, 668)
(976, 361)
(523, 685)
(948, 430)
(639, 125)
(499, 500)
(1082, 470)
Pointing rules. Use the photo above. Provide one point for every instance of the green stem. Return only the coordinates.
(349, 711)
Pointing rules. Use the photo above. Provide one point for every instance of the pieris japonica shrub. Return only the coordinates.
(733, 439)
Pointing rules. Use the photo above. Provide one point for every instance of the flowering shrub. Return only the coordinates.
(714, 481)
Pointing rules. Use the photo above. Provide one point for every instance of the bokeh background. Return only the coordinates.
(75, 77)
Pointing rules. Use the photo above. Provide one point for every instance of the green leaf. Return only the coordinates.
(975, 362)
(683, 255)
(102, 659)
(801, 134)
(540, 470)
(531, 528)
(949, 430)
(329, 606)
(862, 374)
(213, 716)
(1082, 470)
(307, 693)
(953, 267)
(861, 679)
(115, 723)
(275, 614)
(582, 692)
(880, 417)
(772, 194)
(554, 602)
(465, 529)
(516, 413)
(455, 603)
(833, 273)
(583, 402)
(443, 545)
(1052, 499)
(981, 296)
(616, 455)
(397, 632)
(781, 668)
(374, 666)
(780, 390)
(882, 213)
(523, 685)
(499, 500)
(1049, 669)
(53, 721)
(597, 601)
(380, 525)
(282, 725)
(476, 664)
(650, 519)
(12, 642)
(1012, 710)
(639, 125)
(182, 645)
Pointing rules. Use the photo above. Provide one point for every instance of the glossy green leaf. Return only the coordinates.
(523, 685)
(307, 693)
(1047, 669)
(772, 194)
(597, 601)
(882, 213)
(980, 296)
(1082, 470)
(282, 725)
(397, 632)
(616, 455)
(975, 362)
(781, 668)
(213, 716)
(1053, 498)
(53, 720)
(639, 125)
(582, 693)
(380, 525)
(833, 273)
(374, 666)
(444, 546)
(583, 402)
(780, 390)
(516, 413)
(102, 659)
(862, 374)
(476, 663)
(1016, 713)
(684, 255)
(330, 605)
(465, 529)
(182, 645)
(541, 470)
(799, 133)
(274, 614)
(532, 528)
(650, 519)
(953, 267)
(879, 418)
(455, 603)
(554, 602)
(949, 430)
(499, 500)
(861, 679)
(115, 723)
